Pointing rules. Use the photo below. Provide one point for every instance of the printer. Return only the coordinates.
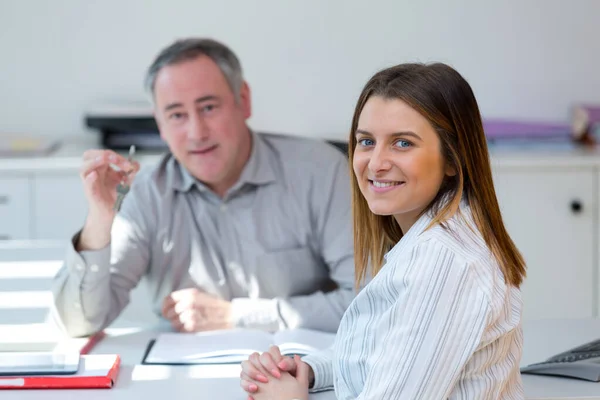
(123, 125)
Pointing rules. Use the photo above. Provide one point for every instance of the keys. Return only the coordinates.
(123, 186)
(122, 190)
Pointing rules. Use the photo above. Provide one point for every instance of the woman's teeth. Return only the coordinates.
(385, 184)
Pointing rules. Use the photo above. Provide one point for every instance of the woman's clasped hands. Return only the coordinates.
(271, 376)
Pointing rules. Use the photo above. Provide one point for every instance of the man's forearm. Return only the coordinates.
(95, 234)
(82, 294)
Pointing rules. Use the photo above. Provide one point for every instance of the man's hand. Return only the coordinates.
(100, 182)
(191, 310)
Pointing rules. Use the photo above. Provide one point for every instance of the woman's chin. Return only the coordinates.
(381, 210)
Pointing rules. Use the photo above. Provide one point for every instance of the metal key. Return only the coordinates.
(122, 190)
(123, 186)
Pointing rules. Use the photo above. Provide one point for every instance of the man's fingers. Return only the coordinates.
(190, 319)
(106, 155)
(184, 304)
(167, 304)
(178, 295)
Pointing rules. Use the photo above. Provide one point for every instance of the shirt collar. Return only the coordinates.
(259, 170)
(413, 233)
(421, 225)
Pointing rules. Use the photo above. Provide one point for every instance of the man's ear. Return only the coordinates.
(245, 100)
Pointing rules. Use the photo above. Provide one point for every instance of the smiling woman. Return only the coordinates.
(397, 160)
(441, 316)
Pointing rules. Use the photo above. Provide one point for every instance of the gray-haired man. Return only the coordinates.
(231, 229)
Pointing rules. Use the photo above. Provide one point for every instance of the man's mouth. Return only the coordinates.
(203, 150)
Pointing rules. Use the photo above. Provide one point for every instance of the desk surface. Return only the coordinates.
(542, 339)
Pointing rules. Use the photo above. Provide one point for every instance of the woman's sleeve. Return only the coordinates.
(321, 364)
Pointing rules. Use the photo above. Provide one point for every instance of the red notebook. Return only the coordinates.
(91, 342)
(95, 371)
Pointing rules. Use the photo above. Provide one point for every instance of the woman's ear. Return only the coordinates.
(450, 170)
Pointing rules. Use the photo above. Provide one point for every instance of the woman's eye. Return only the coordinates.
(403, 143)
(365, 142)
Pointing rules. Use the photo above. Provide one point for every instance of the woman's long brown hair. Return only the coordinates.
(446, 100)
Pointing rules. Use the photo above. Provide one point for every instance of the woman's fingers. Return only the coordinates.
(266, 360)
(302, 371)
(287, 364)
(253, 370)
(248, 386)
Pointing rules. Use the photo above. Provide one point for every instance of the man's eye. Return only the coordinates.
(208, 108)
(176, 116)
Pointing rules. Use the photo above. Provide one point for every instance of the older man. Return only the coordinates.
(231, 229)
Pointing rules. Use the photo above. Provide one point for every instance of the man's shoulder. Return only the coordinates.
(296, 149)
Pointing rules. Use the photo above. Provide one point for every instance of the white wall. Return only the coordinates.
(306, 60)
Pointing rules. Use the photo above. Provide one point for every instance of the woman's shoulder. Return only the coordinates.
(460, 238)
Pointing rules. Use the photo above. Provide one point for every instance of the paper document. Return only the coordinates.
(232, 346)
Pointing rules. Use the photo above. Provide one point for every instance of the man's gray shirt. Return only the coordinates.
(278, 244)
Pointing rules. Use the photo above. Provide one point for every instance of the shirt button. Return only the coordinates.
(79, 267)
(94, 268)
(77, 305)
(223, 207)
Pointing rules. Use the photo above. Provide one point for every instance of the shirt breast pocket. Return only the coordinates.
(289, 273)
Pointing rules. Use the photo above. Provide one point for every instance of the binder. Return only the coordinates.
(95, 372)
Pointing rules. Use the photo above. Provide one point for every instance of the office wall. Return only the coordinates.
(305, 60)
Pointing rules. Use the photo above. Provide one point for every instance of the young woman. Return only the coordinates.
(441, 316)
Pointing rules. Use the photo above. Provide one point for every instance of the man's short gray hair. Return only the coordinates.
(189, 49)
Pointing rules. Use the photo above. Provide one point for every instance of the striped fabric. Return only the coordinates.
(437, 322)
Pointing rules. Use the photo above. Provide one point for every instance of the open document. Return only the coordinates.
(232, 346)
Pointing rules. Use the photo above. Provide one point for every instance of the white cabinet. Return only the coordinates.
(59, 207)
(15, 207)
(551, 214)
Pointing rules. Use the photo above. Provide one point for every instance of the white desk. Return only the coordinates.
(542, 339)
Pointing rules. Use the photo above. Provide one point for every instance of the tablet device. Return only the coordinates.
(39, 363)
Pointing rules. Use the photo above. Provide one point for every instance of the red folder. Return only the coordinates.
(95, 371)
(91, 342)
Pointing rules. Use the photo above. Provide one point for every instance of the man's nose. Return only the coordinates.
(198, 129)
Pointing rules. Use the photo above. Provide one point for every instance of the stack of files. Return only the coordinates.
(40, 356)
(231, 346)
(90, 371)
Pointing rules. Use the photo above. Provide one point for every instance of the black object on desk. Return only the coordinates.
(581, 362)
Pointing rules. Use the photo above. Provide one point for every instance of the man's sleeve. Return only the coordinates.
(92, 287)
